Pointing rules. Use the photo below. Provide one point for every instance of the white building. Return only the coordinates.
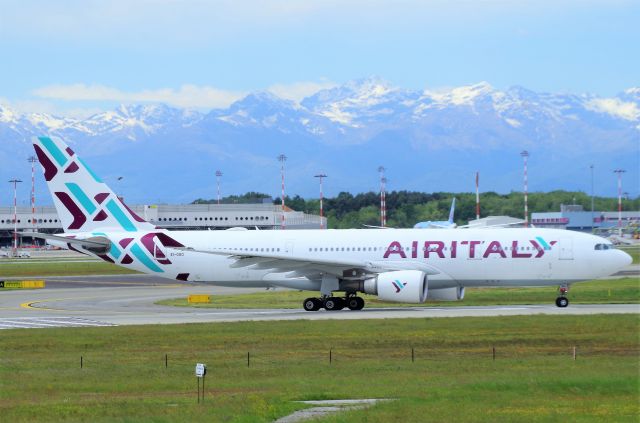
(184, 217)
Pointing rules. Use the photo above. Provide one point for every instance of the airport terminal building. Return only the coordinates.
(574, 217)
(182, 217)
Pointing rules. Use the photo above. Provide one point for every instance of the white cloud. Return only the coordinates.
(615, 107)
(299, 90)
(188, 96)
(27, 107)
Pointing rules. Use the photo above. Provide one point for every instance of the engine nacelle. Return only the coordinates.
(455, 293)
(403, 286)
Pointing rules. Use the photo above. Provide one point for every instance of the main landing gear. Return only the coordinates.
(333, 303)
(562, 300)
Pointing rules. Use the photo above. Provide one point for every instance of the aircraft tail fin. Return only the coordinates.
(83, 201)
(453, 209)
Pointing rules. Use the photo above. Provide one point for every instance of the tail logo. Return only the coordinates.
(131, 251)
(89, 202)
(93, 208)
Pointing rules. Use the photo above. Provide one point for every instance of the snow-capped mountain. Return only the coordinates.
(427, 139)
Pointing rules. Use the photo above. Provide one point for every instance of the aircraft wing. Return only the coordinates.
(313, 267)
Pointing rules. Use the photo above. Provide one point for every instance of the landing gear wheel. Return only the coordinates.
(355, 303)
(312, 304)
(562, 300)
(334, 303)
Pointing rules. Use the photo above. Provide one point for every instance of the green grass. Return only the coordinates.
(60, 268)
(634, 252)
(453, 378)
(44, 260)
(625, 290)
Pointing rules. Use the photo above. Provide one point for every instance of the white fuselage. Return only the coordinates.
(463, 257)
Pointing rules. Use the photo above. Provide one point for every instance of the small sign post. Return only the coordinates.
(201, 372)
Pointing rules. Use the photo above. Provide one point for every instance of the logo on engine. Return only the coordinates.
(398, 285)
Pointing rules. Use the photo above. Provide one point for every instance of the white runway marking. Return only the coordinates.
(59, 322)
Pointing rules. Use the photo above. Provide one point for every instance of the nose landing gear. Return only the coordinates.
(562, 300)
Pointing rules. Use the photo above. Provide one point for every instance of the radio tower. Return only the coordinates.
(282, 158)
(320, 176)
(383, 195)
(525, 156)
(33, 160)
(15, 182)
(619, 172)
(218, 175)
(477, 196)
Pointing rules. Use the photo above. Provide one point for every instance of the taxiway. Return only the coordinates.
(130, 300)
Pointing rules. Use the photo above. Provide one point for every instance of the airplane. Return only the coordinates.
(397, 265)
(440, 224)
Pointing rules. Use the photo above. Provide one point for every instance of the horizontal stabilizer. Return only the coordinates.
(95, 244)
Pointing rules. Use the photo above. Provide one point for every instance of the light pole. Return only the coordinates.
(619, 172)
(383, 199)
(15, 182)
(592, 196)
(282, 158)
(119, 188)
(218, 175)
(525, 156)
(477, 195)
(321, 176)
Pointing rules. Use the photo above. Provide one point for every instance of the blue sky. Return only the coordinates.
(74, 57)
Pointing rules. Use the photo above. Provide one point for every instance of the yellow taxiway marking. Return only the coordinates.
(29, 304)
(114, 283)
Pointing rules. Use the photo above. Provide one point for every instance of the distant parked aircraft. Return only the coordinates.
(440, 224)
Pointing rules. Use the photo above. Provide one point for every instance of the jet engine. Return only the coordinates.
(402, 286)
(454, 293)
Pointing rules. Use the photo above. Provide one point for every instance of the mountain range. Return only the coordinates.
(427, 141)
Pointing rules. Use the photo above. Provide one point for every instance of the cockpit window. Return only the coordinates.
(604, 247)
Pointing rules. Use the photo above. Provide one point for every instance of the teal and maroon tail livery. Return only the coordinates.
(84, 203)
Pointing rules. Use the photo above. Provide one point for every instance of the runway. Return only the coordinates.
(129, 300)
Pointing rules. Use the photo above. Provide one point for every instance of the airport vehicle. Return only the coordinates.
(23, 254)
(19, 254)
(401, 265)
(440, 224)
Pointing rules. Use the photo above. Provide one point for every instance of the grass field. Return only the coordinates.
(25, 268)
(625, 290)
(453, 378)
(634, 252)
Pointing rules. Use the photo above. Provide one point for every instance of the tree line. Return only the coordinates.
(406, 208)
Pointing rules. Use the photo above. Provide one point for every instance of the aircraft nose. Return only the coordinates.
(625, 258)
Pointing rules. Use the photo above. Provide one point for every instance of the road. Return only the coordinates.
(129, 300)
